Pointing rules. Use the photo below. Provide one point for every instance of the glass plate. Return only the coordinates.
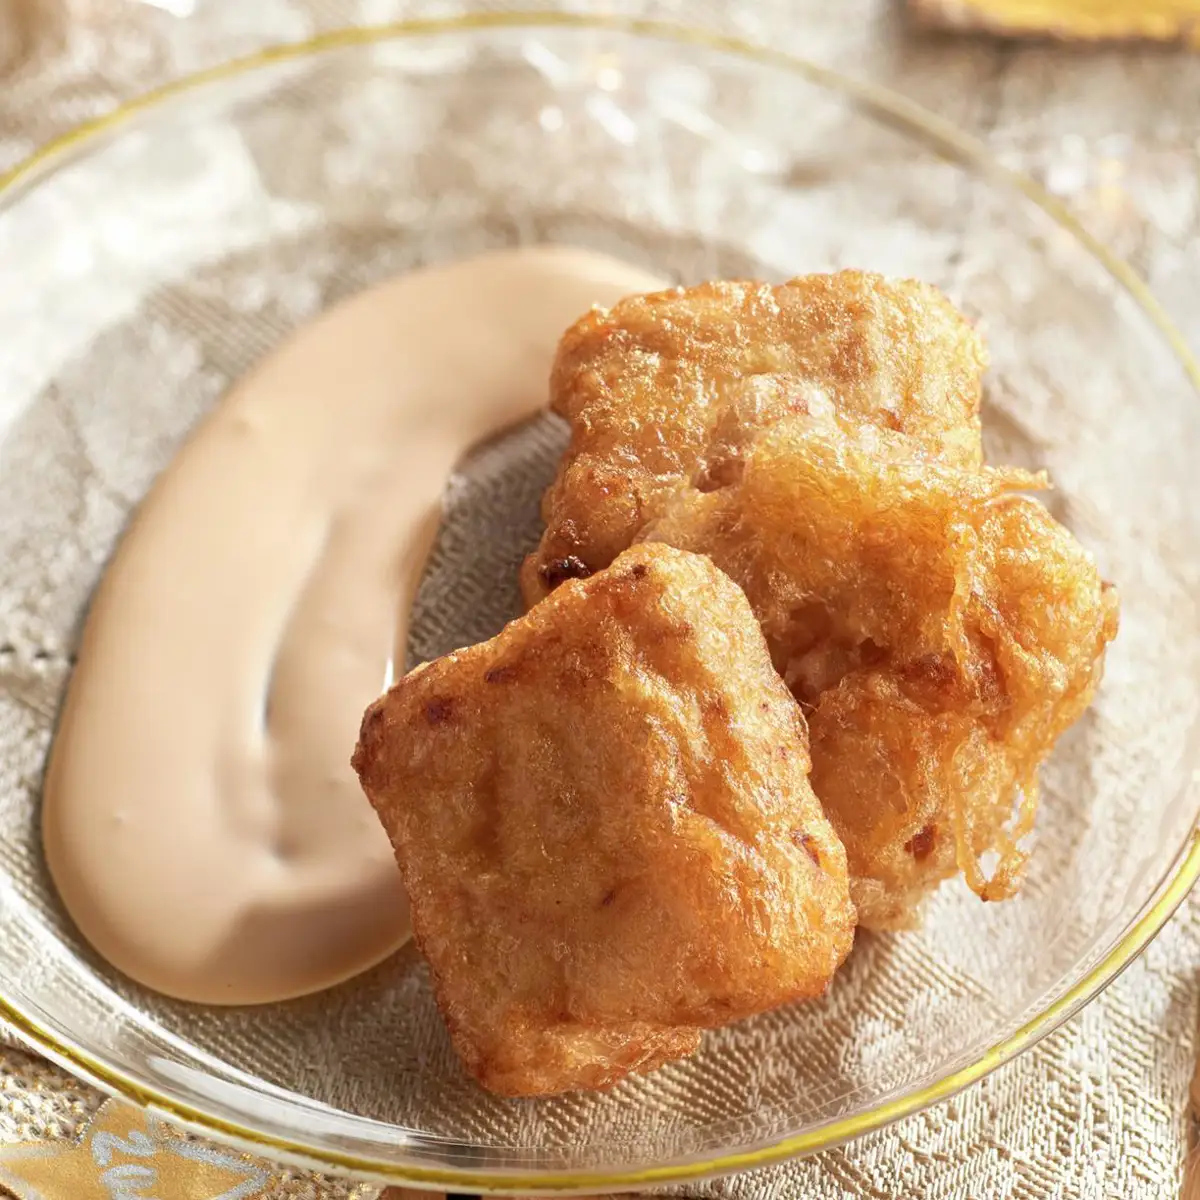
(150, 259)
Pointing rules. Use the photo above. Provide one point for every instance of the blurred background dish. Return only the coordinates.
(164, 254)
(1071, 20)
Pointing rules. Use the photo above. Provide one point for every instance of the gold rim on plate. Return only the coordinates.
(889, 107)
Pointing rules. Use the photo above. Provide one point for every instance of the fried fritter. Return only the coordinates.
(940, 628)
(846, 543)
(605, 826)
(665, 391)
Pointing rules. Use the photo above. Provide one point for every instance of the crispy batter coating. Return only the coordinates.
(664, 391)
(605, 826)
(940, 628)
(846, 543)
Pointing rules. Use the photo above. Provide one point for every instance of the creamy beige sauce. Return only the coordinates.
(201, 820)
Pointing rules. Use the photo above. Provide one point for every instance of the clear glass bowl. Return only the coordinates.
(150, 259)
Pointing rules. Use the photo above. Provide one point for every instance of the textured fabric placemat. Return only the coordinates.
(1100, 1108)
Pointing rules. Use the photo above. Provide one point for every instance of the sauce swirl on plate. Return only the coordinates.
(201, 820)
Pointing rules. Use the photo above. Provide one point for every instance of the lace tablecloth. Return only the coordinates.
(1099, 1109)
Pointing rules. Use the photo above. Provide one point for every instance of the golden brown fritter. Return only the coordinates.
(843, 541)
(941, 628)
(605, 827)
(664, 391)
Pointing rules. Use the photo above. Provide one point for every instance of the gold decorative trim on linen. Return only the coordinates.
(127, 1154)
